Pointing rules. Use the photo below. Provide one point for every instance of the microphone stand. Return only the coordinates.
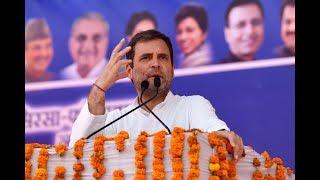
(145, 105)
(124, 114)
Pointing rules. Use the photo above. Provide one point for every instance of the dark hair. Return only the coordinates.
(148, 36)
(286, 3)
(236, 3)
(195, 11)
(136, 18)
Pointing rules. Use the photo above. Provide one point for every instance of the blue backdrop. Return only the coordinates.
(258, 104)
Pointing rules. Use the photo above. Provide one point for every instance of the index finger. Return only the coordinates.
(118, 47)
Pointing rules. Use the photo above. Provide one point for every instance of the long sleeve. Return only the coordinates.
(85, 124)
(203, 115)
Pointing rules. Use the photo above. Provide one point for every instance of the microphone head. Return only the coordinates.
(157, 81)
(144, 84)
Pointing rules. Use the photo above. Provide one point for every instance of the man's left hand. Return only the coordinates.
(235, 141)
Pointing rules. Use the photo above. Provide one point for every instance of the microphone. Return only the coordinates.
(157, 84)
(144, 86)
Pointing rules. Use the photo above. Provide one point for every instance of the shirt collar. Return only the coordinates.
(167, 100)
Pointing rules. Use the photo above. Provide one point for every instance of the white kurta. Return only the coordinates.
(175, 111)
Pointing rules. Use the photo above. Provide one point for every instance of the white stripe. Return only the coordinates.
(215, 68)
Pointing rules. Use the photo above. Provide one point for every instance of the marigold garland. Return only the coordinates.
(27, 170)
(219, 165)
(158, 172)
(78, 148)
(28, 151)
(60, 149)
(96, 159)
(176, 150)
(60, 171)
(119, 140)
(280, 169)
(280, 173)
(193, 153)
(77, 168)
(141, 152)
(43, 158)
(118, 174)
(78, 153)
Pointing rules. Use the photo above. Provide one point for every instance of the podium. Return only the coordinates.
(126, 163)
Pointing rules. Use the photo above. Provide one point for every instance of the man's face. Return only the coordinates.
(189, 35)
(88, 44)
(38, 55)
(143, 25)
(288, 27)
(152, 58)
(246, 30)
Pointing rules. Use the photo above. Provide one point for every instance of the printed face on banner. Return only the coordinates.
(288, 27)
(88, 44)
(189, 35)
(152, 58)
(245, 33)
(38, 55)
(143, 25)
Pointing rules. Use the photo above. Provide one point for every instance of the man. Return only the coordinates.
(140, 21)
(38, 51)
(244, 30)
(149, 55)
(191, 24)
(88, 45)
(288, 23)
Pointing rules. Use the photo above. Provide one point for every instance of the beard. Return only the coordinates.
(164, 86)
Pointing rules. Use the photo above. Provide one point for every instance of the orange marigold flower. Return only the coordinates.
(158, 175)
(269, 177)
(268, 163)
(78, 167)
(60, 149)
(232, 172)
(177, 165)
(27, 170)
(214, 159)
(177, 176)
(141, 171)
(289, 171)
(60, 170)
(43, 158)
(256, 162)
(214, 178)
(158, 167)
(277, 160)
(280, 172)
(266, 155)
(224, 165)
(118, 173)
(40, 174)
(257, 175)
(222, 173)
(214, 139)
(28, 151)
(139, 177)
(139, 164)
(193, 173)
